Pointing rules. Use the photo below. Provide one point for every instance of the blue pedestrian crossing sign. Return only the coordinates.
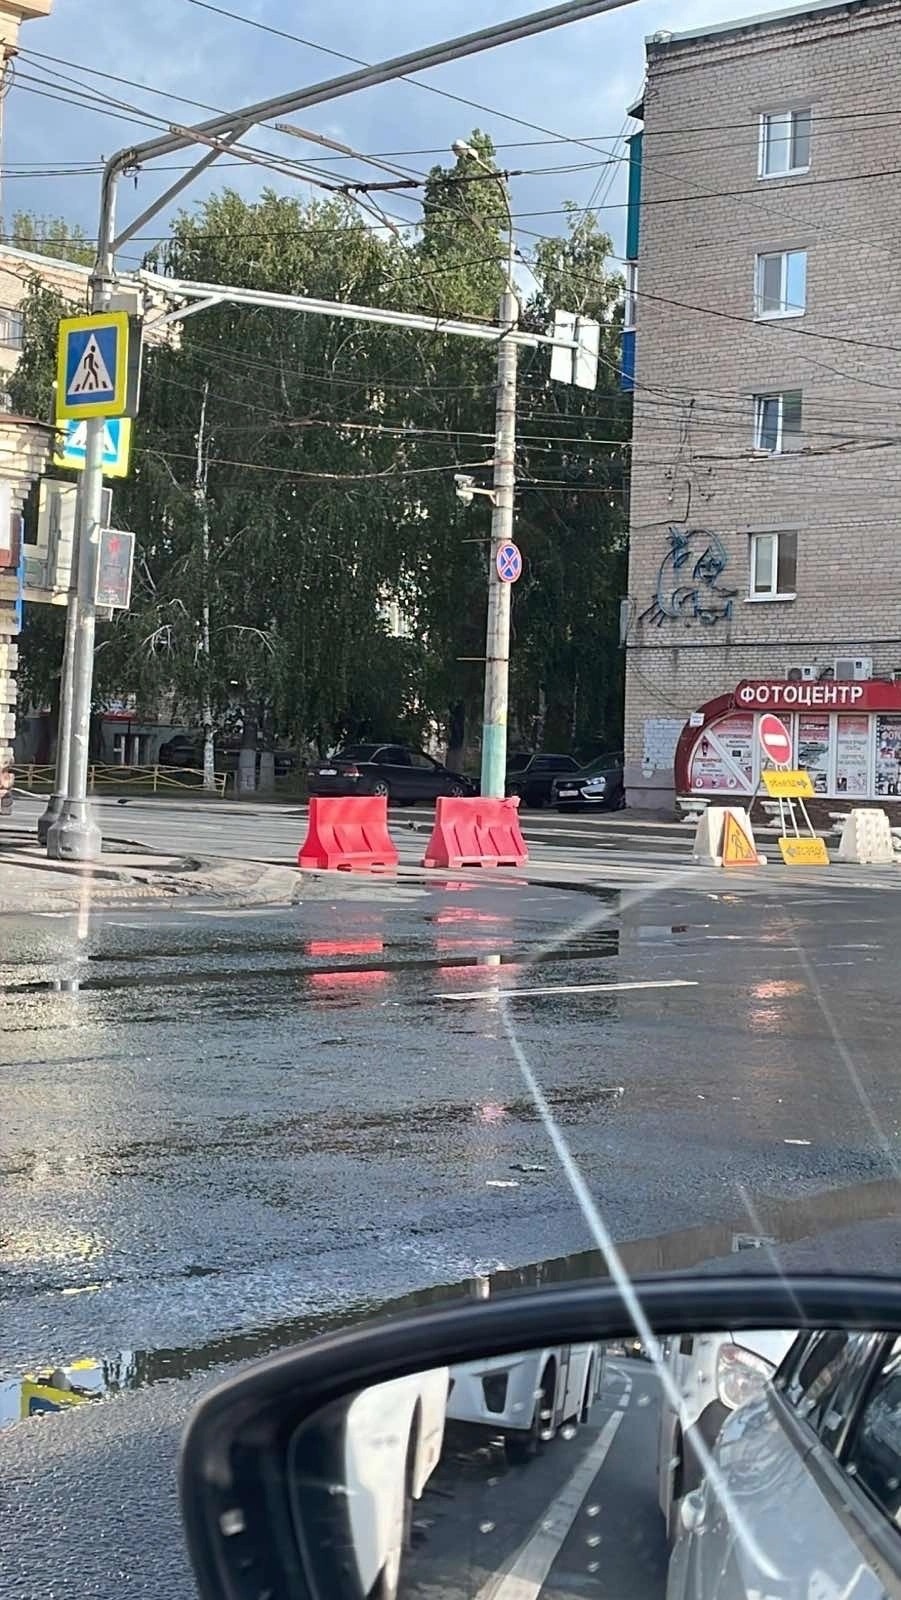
(71, 446)
(92, 377)
(509, 563)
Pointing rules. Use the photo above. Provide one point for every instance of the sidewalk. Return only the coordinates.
(127, 874)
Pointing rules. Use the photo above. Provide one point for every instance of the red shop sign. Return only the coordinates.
(766, 694)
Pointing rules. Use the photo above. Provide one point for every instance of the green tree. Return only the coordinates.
(293, 480)
(52, 236)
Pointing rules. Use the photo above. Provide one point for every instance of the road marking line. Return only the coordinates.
(523, 1576)
(570, 988)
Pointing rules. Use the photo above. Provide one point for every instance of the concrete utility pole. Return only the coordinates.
(497, 633)
(73, 835)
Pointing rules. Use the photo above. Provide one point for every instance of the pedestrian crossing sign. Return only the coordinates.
(93, 365)
(71, 446)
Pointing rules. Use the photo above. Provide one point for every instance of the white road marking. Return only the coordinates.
(523, 1576)
(492, 993)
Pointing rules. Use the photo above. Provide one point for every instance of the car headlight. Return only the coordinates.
(598, 784)
(740, 1376)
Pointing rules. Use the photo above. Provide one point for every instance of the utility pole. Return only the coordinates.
(73, 835)
(201, 477)
(497, 633)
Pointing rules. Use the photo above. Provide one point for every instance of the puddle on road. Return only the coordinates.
(361, 958)
(61, 1385)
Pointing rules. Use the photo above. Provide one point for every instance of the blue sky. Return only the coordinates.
(576, 82)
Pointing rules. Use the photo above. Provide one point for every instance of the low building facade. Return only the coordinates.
(762, 347)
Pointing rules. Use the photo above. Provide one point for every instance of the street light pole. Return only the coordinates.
(72, 834)
(497, 631)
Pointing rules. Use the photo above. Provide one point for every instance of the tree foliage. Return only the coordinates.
(293, 481)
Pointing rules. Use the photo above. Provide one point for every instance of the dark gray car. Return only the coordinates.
(531, 775)
(599, 786)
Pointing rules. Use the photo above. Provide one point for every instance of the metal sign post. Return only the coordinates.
(786, 785)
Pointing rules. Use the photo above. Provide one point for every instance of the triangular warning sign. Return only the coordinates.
(92, 375)
(738, 849)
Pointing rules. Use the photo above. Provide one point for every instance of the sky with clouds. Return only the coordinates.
(576, 81)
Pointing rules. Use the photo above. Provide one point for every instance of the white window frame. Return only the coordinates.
(767, 596)
(12, 328)
(766, 118)
(630, 308)
(760, 401)
(784, 310)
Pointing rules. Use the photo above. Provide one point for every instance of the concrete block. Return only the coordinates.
(867, 838)
(707, 849)
(711, 831)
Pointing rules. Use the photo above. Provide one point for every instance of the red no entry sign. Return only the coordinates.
(775, 739)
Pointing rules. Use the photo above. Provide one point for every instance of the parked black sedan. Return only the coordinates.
(532, 775)
(394, 770)
(599, 786)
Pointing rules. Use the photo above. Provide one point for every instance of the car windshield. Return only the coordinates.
(600, 764)
(515, 379)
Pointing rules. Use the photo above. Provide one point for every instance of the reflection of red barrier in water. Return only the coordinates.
(348, 835)
(344, 947)
(476, 833)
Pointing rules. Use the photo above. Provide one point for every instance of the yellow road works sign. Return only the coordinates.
(738, 849)
(804, 852)
(37, 1397)
(782, 784)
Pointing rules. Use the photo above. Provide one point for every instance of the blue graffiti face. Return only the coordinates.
(688, 580)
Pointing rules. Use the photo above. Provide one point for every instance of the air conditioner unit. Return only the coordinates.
(802, 672)
(858, 668)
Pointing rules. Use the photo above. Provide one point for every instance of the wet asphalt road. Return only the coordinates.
(219, 1127)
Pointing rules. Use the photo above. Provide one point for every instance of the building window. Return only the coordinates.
(777, 421)
(784, 143)
(631, 294)
(12, 328)
(774, 559)
(781, 284)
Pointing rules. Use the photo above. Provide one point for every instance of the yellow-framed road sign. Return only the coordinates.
(92, 370)
(70, 451)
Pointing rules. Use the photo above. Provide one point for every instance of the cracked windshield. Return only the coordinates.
(450, 780)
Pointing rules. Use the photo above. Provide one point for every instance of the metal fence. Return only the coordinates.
(30, 775)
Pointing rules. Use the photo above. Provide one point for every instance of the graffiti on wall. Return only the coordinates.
(688, 587)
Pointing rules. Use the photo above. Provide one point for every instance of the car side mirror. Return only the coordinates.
(471, 1448)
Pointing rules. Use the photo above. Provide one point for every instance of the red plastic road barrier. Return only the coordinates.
(476, 833)
(348, 835)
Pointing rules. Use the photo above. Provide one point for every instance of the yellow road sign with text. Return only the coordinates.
(804, 852)
(785, 784)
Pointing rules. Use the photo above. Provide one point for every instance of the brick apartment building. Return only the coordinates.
(764, 346)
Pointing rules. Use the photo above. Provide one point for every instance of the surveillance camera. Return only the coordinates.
(463, 488)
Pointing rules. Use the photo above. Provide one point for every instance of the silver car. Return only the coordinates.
(804, 1499)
